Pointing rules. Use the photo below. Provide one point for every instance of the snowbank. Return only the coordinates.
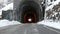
(7, 22)
(50, 24)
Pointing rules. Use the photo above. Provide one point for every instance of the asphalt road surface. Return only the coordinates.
(28, 29)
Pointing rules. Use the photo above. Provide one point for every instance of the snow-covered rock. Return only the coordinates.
(51, 6)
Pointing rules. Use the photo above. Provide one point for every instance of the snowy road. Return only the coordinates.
(28, 29)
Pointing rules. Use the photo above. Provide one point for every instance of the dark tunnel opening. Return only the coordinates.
(29, 15)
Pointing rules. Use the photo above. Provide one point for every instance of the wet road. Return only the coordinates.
(28, 29)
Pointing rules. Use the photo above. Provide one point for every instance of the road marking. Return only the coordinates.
(52, 29)
(25, 31)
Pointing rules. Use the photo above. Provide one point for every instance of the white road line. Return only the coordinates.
(52, 29)
(25, 31)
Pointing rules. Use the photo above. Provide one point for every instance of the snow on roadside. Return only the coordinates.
(47, 23)
(7, 22)
(50, 24)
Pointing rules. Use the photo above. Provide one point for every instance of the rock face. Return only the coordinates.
(25, 9)
(54, 13)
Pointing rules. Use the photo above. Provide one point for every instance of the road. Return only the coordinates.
(28, 29)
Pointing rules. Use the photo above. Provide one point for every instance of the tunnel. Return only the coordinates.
(29, 12)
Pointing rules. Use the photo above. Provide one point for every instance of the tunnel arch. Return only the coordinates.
(37, 10)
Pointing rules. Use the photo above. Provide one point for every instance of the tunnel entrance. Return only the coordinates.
(29, 15)
(29, 12)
